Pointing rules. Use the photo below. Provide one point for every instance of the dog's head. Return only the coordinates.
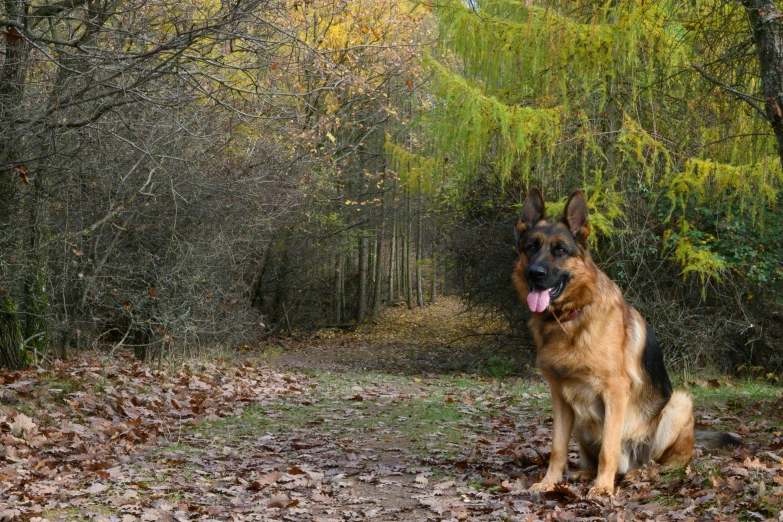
(551, 255)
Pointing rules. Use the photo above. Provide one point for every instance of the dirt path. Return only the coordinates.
(301, 431)
(435, 339)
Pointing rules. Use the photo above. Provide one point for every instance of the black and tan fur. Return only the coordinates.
(604, 367)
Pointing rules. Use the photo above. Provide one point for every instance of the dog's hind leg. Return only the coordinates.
(588, 461)
(673, 440)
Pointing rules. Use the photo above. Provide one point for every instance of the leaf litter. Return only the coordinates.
(119, 441)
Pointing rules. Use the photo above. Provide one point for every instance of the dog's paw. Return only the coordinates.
(542, 487)
(600, 491)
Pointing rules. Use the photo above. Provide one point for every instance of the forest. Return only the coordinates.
(184, 175)
(204, 199)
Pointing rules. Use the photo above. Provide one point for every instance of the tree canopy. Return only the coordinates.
(184, 174)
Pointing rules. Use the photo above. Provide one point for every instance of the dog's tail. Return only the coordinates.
(716, 439)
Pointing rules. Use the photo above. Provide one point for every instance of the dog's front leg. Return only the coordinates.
(562, 423)
(615, 400)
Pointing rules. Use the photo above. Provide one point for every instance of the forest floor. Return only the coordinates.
(411, 418)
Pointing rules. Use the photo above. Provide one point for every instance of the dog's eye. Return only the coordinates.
(558, 251)
(530, 248)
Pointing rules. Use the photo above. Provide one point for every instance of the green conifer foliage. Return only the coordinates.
(604, 96)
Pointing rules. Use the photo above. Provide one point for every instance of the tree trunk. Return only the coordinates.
(392, 254)
(765, 21)
(35, 301)
(12, 354)
(257, 290)
(361, 309)
(408, 237)
(338, 291)
(401, 259)
(371, 263)
(36, 305)
(419, 258)
(279, 311)
(12, 74)
(343, 304)
(376, 301)
(433, 276)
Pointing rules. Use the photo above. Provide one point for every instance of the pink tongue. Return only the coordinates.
(538, 300)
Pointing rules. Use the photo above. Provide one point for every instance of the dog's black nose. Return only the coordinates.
(536, 273)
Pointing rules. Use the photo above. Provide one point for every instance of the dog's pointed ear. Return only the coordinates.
(533, 211)
(575, 217)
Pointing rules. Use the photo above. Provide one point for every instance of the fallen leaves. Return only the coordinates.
(279, 500)
(250, 443)
(83, 433)
(22, 426)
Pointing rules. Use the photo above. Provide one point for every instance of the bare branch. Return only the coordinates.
(750, 100)
(119, 208)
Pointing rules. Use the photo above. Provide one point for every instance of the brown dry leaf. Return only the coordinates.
(320, 497)
(439, 505)
(279, 500)
(773, 103)
(736, 470)
(9, 514)
(754, 464)
(271, 478)
(96, 489)
(22, 172)
(460, 513)
(23, 426)
(11, 453)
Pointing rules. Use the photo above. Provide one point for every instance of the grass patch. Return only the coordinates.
(739, 402)
(424, 424)
(394, 411)
(58, 385)
(343, 381)
(423, 415)
(668, 501)
(78, 514)
(417, 423)
(735, 390)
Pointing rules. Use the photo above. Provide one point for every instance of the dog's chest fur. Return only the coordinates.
(580, 370)
(582, 361)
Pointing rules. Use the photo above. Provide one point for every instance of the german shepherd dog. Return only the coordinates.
(604, 367)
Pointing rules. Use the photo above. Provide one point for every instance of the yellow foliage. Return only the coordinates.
(643, 151)
(482, 127)
(419, 172)
(693, 259)
(734, 185)
(605, 204)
